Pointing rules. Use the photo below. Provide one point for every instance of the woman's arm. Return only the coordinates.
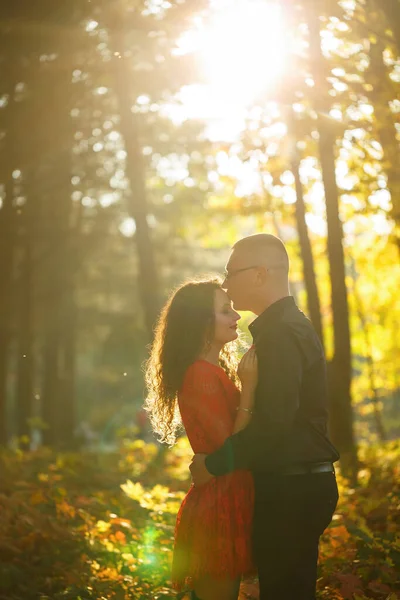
(248, 374)
(245, 410)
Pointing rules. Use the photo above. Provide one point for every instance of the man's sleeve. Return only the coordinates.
(277, 400)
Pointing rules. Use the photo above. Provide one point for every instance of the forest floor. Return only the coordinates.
(93, 526)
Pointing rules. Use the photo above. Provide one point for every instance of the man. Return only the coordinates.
(286, 444)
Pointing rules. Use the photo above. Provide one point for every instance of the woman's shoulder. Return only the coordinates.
(205, 377)
(202, 374)
(202, 367)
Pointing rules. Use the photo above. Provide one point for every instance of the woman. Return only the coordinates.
(191, 376)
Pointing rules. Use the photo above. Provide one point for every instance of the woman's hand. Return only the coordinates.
(248, 370)
(248, 375)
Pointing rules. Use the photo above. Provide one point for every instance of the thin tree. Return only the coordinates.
(341, 414)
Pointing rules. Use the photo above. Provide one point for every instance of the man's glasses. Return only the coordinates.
(228, 275)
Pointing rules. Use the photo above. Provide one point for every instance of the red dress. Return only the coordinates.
(213, 527)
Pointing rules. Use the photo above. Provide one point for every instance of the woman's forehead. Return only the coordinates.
(221, 298)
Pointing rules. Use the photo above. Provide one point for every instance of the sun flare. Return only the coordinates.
(241, 51)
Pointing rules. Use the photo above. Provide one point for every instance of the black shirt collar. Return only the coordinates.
(270, 314)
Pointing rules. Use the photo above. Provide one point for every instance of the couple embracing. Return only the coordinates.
(264, 486)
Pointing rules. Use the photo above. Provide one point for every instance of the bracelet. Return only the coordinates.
(246, 409)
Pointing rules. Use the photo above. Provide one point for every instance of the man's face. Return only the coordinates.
(240, 278)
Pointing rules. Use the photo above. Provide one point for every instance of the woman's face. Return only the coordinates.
(225, 318)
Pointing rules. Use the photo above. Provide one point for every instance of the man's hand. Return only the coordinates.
(198, 469)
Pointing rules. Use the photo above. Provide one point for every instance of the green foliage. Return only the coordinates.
(360, 551)
(86, 526)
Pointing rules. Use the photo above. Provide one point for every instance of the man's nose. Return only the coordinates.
(224, 284)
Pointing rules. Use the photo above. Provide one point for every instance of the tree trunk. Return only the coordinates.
(310, 282)
(59, 321)
(136, 173)
(59, 346)
(380, 95)
(365, 328)
(55, 131)
(51, 383)
(8, 226)
(25, 367)
(68, 350)
(57, 267)
(339, 371)
(314, 307)
(313, 303)
(7, 247)
(391, 8)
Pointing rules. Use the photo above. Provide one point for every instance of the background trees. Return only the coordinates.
(121, 175)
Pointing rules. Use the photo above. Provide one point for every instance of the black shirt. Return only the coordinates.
(289, 422)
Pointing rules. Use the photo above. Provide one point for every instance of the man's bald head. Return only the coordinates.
(257, 272)
(264, 248)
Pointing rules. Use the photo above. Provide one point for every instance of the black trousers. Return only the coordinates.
(291, 512)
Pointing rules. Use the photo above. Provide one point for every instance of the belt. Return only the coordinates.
(325, 467)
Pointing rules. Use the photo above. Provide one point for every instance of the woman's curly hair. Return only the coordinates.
(185, 324)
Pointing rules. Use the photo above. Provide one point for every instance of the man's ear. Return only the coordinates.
(261, 276)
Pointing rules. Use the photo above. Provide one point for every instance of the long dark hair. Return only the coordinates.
(185, 324)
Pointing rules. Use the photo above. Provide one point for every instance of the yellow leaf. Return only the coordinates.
(102, 526)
